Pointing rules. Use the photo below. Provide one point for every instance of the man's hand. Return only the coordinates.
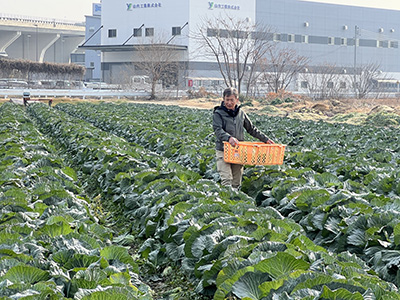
(270, 142)
(233, 141)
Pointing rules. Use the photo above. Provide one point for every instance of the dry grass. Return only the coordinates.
(327, 108)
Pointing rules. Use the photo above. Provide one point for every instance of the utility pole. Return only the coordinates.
(356, 33)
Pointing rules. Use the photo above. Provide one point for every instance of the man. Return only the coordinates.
(229, 122)
(26, 96)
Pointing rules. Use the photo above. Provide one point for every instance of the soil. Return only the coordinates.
(350, 110)
(303, 109)
(332, 106)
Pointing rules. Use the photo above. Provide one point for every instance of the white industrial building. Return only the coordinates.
(340, 35)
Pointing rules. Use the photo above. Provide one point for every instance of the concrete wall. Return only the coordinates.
(124, 16)
(201, 11)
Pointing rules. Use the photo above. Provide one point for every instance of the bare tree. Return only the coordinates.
(364, 79)
(325, 81)
(236, 45)
(159, 61)
(283, 66)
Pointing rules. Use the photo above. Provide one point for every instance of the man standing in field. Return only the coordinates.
(229, 122)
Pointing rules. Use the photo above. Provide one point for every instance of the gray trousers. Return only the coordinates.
(231, 174)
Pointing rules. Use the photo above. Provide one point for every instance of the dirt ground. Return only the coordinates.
(298, 108)
(379, 112)
(327, 108)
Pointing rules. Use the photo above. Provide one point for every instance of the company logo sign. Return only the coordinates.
(96, 9)
(213, 5)
(132, 6)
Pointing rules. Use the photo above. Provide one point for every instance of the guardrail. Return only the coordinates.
(39, 20)
(78, 93)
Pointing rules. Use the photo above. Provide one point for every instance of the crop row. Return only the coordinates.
(51, 243)
(219, 236)
(336, 183)
(183, 136)
(339, 155)
(366, 158)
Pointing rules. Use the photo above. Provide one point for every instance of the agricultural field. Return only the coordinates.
(122, 201)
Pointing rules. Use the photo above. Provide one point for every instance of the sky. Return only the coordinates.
(386, 4)
(71, 10)
(75, 10)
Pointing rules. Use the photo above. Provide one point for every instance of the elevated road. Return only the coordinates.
(39, 39)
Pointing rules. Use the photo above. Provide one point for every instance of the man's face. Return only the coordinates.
(231, 101)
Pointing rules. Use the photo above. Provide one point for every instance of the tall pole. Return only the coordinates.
(355, 60)
(37, 44)
(62, 51)
(27, 57)
(29, 47)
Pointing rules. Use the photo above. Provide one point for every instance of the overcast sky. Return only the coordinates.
(75, 10)
(387, 4)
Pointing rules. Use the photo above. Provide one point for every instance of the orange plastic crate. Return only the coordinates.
(254, 153)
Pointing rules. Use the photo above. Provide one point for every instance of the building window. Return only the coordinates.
(331, 41)
(330, 85)
(304, 39)
(176, 31)
(277, 37)
(91, 64)
(137, 31)
(304, 84)
(239, 34)
(224, 33)
(290, 38)
(393, 44)
(112, 33)
(211, 32)
(383, 44)
(78, 58)
(149, 31)
(343, 41)
(343, 85)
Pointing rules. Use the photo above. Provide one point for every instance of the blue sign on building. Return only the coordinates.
(131, 6)
(213, 5)
(96, 9)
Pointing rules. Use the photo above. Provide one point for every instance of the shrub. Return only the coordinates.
(276, 101)
(245, 100)
(28, 68)
(282, 94)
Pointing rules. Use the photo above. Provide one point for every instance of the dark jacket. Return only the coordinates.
(227, 123)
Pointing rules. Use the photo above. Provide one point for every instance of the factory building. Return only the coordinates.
(343, 36)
